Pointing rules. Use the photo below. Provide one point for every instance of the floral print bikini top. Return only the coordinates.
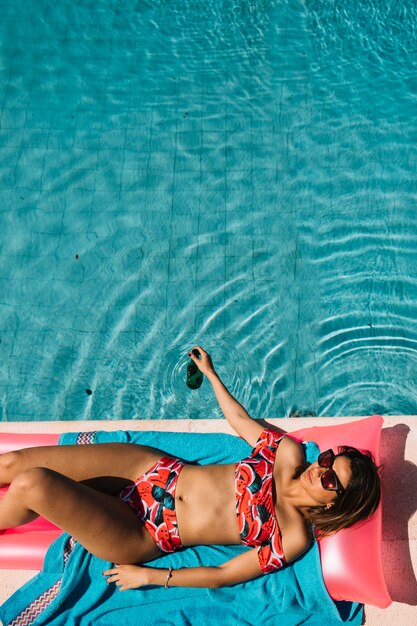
(258, 525)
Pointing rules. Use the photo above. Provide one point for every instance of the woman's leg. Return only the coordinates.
(103, 524)
(82, 462)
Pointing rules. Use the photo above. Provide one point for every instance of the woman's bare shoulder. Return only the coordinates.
(297, 540)
(291, 450)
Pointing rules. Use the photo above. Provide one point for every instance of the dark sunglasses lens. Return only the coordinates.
(329, 480)
(326, 458)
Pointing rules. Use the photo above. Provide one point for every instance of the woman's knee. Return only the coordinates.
(9, 464)
(33, 483)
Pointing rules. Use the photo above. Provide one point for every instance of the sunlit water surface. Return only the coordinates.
(240, 174)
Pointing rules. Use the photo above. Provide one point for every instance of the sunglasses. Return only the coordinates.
(329, 479)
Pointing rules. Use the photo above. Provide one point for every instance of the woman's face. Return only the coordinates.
(310, 479)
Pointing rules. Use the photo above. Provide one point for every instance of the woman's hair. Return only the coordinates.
(357, 502)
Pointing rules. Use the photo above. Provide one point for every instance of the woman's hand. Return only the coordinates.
(128, 576)
(234, 412)
(204, 363)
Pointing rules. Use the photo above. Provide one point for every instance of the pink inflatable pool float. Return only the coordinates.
(351, 559)
(25, 547)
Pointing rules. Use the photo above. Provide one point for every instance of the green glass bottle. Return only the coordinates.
(194, 376)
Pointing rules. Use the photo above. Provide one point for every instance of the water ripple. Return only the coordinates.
(248, 186)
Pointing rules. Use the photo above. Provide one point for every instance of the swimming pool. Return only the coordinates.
(236, 173)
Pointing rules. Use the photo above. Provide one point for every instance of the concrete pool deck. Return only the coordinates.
(398, 454)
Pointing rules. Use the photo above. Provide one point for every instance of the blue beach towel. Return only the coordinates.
(71, 591)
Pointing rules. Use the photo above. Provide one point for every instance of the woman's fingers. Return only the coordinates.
(109, 572)
(202, 359)
(112, 579)
(113, 575)
(122, 577)
(201, 353)
(199, 356)
(193, 356)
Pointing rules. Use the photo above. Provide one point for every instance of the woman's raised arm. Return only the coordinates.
(238, 418)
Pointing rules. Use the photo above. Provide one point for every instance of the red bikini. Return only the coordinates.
(152, 497)
(258, 525)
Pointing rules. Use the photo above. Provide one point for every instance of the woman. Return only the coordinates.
(269, 501)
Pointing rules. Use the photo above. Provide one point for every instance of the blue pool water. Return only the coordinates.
(238, 173)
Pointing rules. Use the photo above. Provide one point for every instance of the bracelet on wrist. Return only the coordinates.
(169, 576)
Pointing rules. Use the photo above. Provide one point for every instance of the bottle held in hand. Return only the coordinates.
(194, 376)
